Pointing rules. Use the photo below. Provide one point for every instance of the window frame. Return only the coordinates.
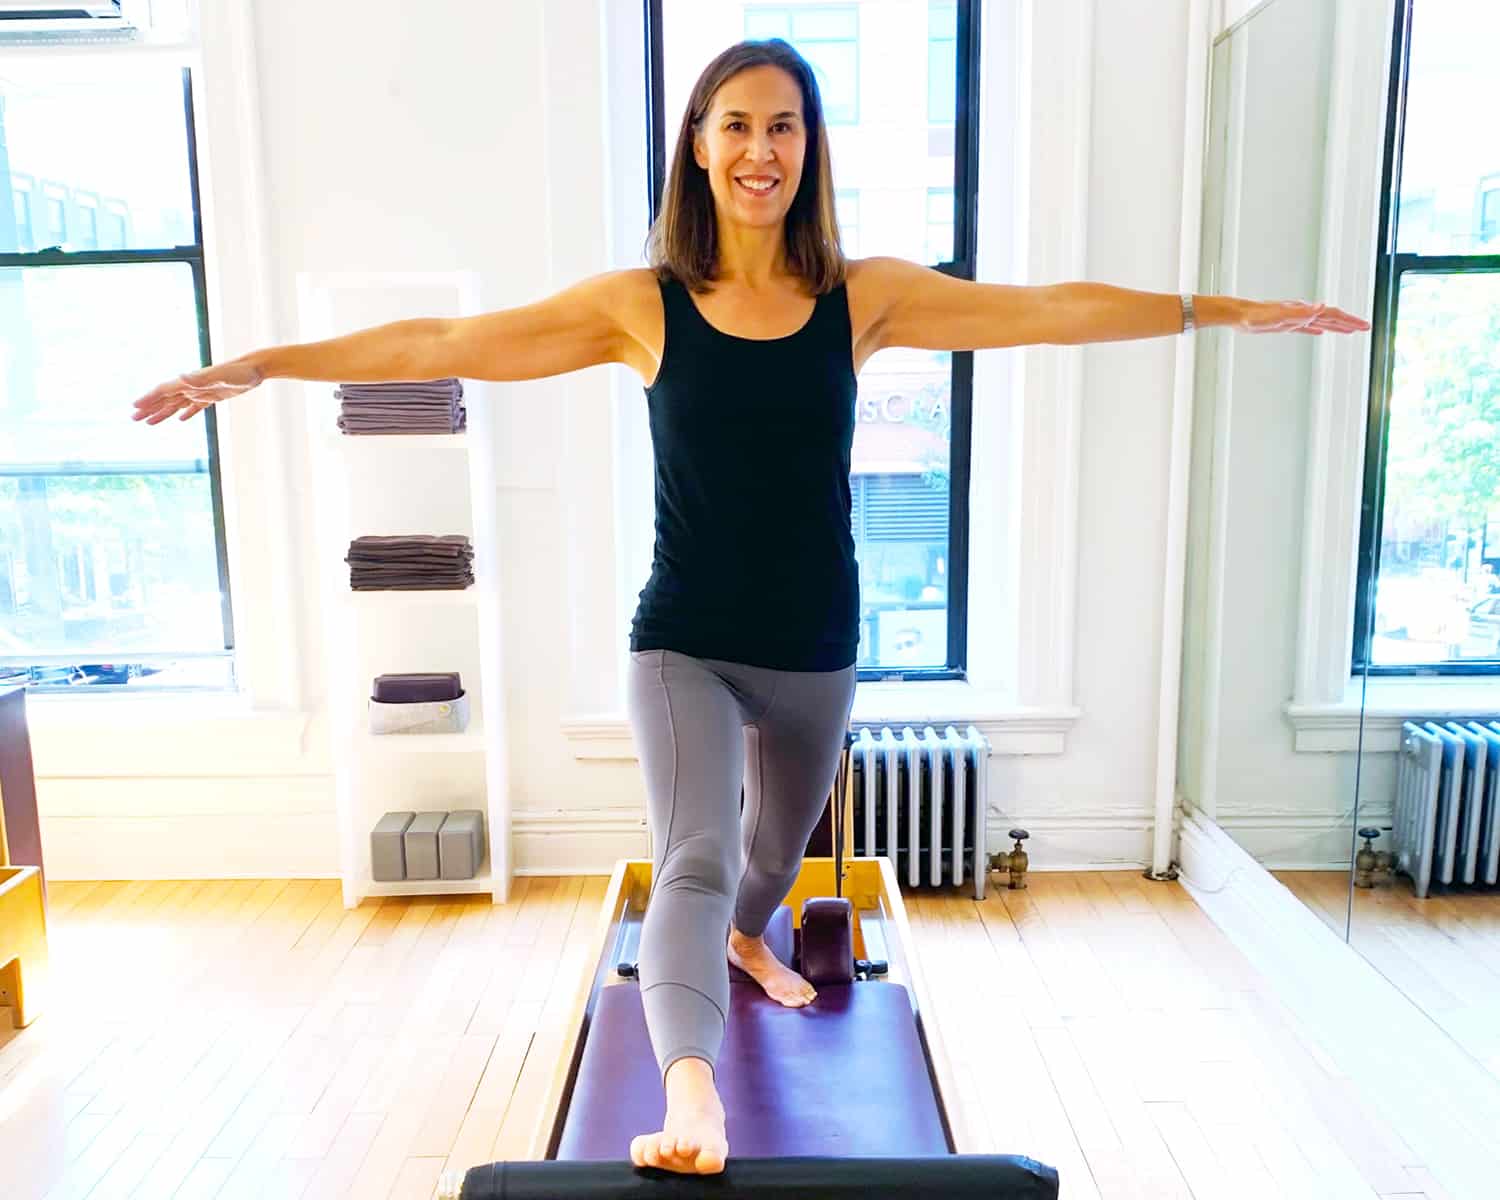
(1390, 268)
(962, 266)
(192, 255)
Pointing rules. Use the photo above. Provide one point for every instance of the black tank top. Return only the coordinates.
(754, 557)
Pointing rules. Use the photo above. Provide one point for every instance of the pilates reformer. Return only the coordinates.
(852, 1095)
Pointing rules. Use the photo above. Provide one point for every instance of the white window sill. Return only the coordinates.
(1011, 729)
(206, 734)
(1333, 728)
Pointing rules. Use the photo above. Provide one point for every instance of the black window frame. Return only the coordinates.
(962, 266)
(193, 256)
(1390, 268)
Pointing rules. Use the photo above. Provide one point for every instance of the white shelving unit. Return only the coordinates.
(407, 484)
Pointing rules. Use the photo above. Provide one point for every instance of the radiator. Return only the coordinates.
(1447, 814)
(919, 799)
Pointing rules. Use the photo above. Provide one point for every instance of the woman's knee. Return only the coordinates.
(702, 864)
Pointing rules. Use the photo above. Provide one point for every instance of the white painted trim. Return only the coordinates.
(1380, 710)
(1302, 841)
(581, 152)
(1052, 160)
(1341, 365)
(630, 821)
(1180, 452)
(1094, 841)
(1222, 350)
(1016, 732)
(271, 637)
(1445, 1104)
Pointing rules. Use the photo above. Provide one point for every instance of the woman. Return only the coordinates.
(743, 646)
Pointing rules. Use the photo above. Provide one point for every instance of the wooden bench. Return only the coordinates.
(23, 905)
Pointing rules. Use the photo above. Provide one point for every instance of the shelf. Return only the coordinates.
(381, 601)
(400, 441)
(470, 741)
(435, 887)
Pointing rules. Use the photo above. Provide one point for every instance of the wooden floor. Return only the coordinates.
(240, 1039)
(1442, 952)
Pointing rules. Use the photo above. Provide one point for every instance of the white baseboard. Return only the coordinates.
(1445, 1105)
(268, 845)
(589, 842)
(304, 845)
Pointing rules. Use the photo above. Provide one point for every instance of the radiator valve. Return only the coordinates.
(1370, 862)
(1014, 861)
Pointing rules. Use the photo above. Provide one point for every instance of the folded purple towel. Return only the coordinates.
(425, 387)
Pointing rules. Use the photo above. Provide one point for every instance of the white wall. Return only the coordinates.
(425, 139)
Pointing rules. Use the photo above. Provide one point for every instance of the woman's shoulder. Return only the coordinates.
(871, 284)
(635, 283)
(635, 297)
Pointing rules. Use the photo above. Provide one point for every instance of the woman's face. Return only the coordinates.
(751, 144)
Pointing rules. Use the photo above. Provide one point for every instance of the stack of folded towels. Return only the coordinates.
(413, 562)
(434, 407)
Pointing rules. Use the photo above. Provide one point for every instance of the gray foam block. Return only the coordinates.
(388, 849)
(421, 845)
(461, 844)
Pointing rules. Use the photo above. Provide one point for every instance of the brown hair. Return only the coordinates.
(684, 240)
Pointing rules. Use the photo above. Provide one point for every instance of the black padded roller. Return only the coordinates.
(952, 1176)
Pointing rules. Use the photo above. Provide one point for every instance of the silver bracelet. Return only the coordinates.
(1189, 320)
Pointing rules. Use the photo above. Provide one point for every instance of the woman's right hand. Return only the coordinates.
(191, 393)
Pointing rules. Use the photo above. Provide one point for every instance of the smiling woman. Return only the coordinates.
(753, 128)
(749, 328)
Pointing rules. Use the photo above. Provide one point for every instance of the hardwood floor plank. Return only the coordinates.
(281, 1045)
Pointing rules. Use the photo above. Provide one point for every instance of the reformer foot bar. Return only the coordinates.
(852, 1095)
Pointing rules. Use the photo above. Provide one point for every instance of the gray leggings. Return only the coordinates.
(702, 726)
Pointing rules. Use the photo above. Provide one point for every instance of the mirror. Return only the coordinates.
(1239, 761)
(1426, 906)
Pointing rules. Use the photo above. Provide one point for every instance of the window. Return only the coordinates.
(1432, 475)
(905, 187)
(846, 205)
(828, 37)
(1489, 210)
(112, 561)
(942, 61)
(23, 219)
(939, 225)
(56, 229)
(88, 225)
(115, 226)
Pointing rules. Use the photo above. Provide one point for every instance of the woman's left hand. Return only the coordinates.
(1296, 316)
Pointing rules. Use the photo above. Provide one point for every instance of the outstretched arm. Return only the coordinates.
(576, 328)
(929, 310)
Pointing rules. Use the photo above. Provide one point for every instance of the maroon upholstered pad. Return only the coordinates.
(827, 941)
(843, 1076)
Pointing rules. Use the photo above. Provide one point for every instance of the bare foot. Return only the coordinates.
(752, 956)
(692, 1140)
